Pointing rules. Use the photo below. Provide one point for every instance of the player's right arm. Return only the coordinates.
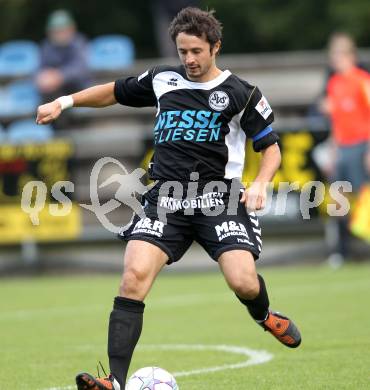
(130, 91)
(97, 96)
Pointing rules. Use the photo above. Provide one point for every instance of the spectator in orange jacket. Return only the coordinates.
(347, 103)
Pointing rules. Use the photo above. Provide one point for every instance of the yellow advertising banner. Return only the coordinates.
(47, 163)
(16, 225)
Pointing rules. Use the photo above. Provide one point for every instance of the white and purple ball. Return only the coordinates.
(151, 378)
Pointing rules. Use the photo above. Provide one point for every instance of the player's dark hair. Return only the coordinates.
(194, 21)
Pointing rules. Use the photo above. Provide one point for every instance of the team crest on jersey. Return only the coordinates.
(218, 100)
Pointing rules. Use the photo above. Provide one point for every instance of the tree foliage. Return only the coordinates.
(249, 25)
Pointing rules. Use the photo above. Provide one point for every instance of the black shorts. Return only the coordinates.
(215, 233)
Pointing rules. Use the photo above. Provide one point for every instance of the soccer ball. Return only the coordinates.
(151, 378)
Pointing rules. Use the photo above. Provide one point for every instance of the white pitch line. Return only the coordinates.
(254, 357)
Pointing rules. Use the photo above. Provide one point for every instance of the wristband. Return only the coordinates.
(65, 102)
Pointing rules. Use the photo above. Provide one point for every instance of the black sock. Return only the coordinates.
(258, 307)
(125, 324)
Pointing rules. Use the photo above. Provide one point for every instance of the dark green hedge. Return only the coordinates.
(250, 25)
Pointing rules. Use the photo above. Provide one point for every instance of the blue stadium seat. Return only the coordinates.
(27, 130)
(111, 52)
(20, 98)
(19, 58)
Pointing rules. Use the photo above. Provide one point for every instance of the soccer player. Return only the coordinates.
(204, 116)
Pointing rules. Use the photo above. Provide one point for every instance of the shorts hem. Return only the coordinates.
(156, 243)
(231, 247)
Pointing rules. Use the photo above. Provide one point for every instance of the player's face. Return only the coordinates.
(197, 57)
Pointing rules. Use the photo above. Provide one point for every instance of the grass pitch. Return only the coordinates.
(53, 327)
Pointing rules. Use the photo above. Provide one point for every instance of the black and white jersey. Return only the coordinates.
(199, 127)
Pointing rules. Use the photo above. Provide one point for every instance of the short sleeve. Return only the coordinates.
(256, 121)
(136, 91)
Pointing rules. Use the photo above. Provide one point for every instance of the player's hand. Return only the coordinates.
(48, 112)
(254, 197)
(325, 106)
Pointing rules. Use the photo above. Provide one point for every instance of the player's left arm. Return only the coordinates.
(255, 195)
(256, 122)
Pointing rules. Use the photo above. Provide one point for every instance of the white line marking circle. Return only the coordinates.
(254, 357)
